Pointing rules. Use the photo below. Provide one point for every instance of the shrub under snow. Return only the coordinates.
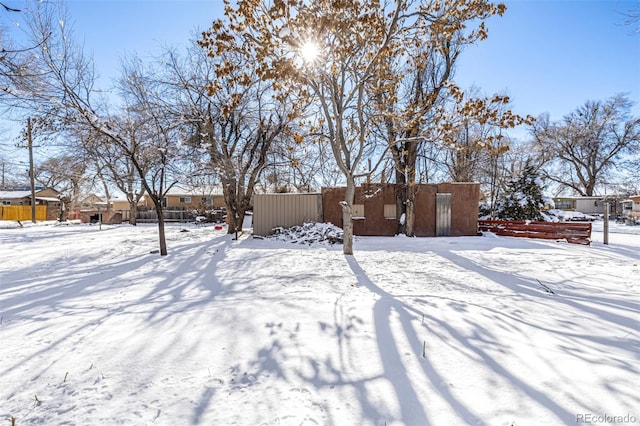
(523, 198)
(309, 233)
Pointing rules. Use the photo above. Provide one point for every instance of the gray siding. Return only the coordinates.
(286, 210)
(589, 205)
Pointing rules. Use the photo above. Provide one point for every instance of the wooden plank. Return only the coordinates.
(575, 233)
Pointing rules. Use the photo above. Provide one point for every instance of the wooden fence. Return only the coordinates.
(573, 232)
(22, 213)
(170, 215)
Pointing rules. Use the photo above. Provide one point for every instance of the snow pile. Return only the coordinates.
(556, 215)
(95, 330)
(309, 233)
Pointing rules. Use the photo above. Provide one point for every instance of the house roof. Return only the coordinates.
(195, 190)
(186, 191)
(15, 195)
(122, 199)
(10, 195)
(592, 197)
(91, 197)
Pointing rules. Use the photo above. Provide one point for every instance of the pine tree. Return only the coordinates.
(523, 198)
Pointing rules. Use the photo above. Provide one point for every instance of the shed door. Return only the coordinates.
(443, 215)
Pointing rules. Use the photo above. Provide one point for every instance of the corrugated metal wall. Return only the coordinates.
(286, 210)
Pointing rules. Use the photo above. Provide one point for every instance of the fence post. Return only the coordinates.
(605, 228)
(31, 172)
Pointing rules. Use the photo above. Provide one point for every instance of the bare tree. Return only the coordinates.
(152, 133)
(60, 85)
(585, 146)
(12, 61)
(67, 174)
(9, 9)
(114, 167)
(475, 148)
(11, 172)
(230, 120)
(410, 95)
(327, 51)
(475, 133)
(303, 167)
(350, 56)
(633, 18)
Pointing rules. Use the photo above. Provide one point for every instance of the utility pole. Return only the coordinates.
(31, 174)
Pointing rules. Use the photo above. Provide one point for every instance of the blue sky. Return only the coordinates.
(112, 28)
(552, 56)
(547, 55)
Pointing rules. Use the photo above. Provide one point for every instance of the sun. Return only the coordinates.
(309, 51)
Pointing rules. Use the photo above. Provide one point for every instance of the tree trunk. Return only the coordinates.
(405, 161)
(401, 198)
(133, 213)
(64, 211)
(161, 235)
(411, 211)
(235, 217)
(229, 188)
(347, 216)
(410, 163)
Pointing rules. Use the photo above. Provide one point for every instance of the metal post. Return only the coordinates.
(605, 228)
(31, 173)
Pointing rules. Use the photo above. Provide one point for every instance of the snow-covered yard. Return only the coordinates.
(96, 330)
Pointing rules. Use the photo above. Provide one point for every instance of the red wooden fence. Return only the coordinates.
(573, 232)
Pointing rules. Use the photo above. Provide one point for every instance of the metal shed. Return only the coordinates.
(285, 210)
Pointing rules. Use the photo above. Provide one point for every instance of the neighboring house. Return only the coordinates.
(92, 202)
(121, 204)
(16, 205)
(635, 208)
(93, 209)
(589, 205)
(192, 197)
(631, 209)
(181, 203)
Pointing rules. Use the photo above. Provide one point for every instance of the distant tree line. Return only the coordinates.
(293, 96)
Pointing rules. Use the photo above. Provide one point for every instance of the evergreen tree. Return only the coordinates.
(523, 198)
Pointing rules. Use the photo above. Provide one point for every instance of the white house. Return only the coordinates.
(631, 209)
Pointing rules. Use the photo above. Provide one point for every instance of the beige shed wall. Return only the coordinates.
(285, 210)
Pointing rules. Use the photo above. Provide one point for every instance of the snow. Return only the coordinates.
(309, 233)
(555, 215)
(95, 330)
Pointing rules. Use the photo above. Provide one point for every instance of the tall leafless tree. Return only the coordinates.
(585, 146)
(68, 175)
(231, 121)
(60, 84)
